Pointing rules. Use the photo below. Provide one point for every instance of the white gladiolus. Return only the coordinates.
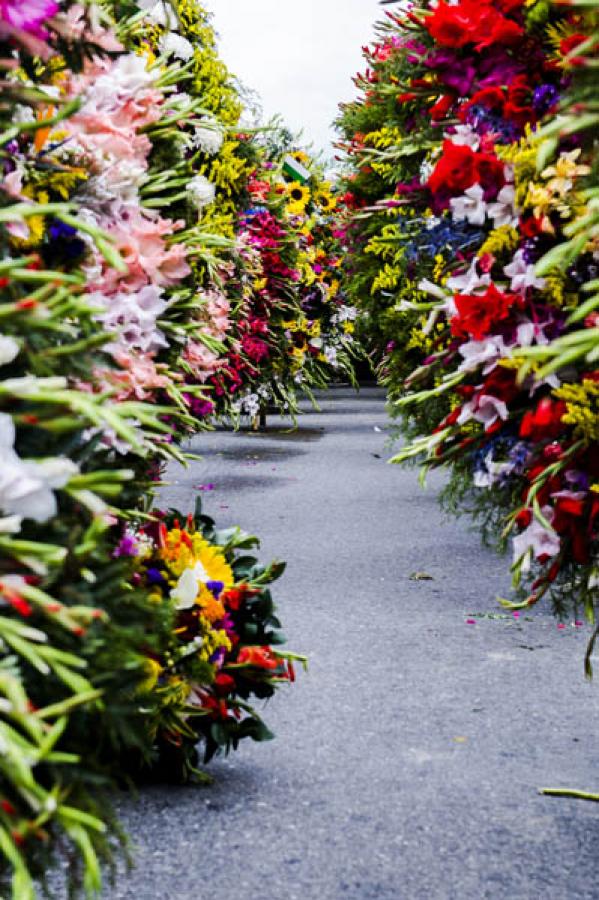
(536, 541)
(26, 486)
(9, 349)
(470, 206)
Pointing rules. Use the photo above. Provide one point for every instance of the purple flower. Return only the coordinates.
(216, 587)
(155, 576)
(28, 15)
(544, 97)
(127, 546)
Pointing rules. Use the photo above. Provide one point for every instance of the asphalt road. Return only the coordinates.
(407, 762)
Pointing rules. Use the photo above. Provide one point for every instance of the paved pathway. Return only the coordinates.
(407, 761)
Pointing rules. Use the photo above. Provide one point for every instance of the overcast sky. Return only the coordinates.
(299, 56)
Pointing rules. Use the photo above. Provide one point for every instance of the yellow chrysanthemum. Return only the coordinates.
(183, 551)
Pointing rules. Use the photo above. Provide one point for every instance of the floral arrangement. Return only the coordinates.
(297, 324)
(473, 208)
(115, 316)
(221, 628)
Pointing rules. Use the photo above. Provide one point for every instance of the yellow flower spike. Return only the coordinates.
(153, 670)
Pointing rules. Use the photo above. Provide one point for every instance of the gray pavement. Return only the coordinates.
(407, 761)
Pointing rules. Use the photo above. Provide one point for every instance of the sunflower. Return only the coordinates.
(325, 200)
(298, 196)
(301, 157)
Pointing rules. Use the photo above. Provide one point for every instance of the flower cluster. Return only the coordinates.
(219, 651)
(465, 160)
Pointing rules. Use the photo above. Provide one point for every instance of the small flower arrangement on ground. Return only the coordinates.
(220, 646)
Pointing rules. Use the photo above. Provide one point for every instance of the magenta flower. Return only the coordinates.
(28, 15)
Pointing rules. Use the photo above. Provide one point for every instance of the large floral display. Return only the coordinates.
(472, 167)
(160, 268)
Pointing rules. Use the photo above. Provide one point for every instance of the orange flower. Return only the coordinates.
(261, 657)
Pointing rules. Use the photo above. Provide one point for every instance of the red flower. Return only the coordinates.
(570, 43)
(471, 22)
(260, 657)
(460, 167)
(224, 684)
(478, 314)
(455, 171)
(545, 421)
(440, 109)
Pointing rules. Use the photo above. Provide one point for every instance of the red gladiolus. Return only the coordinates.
(261, 657)
(545, 421)
(469, 22)
(440, 109)
(478, 314)
(570, 43)
(524, 518)
(224, 684)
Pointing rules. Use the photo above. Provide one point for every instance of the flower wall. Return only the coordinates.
(160, 269)
(472, 173)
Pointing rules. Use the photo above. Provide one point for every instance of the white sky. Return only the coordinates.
(299, 56)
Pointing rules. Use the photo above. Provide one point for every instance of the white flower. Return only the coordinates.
(22, 113)
(133, 318)
(484, 408)
(316, 342)
(9, 349)
(426, 169)
(185, 591)
(503, 211)
(469, 282)
(201, 191)
(251, 404)
(522, 274)
(177, 45)
(482, 353)
(331, 355)
(464, 136)
(10, 524)
(120, 181)
(208, 137)
(492, 472)
(26, 485)
(470, 206)
(536, 541)
(127, 77)
(157, 13)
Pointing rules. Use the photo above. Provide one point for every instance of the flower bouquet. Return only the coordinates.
(219, 648)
